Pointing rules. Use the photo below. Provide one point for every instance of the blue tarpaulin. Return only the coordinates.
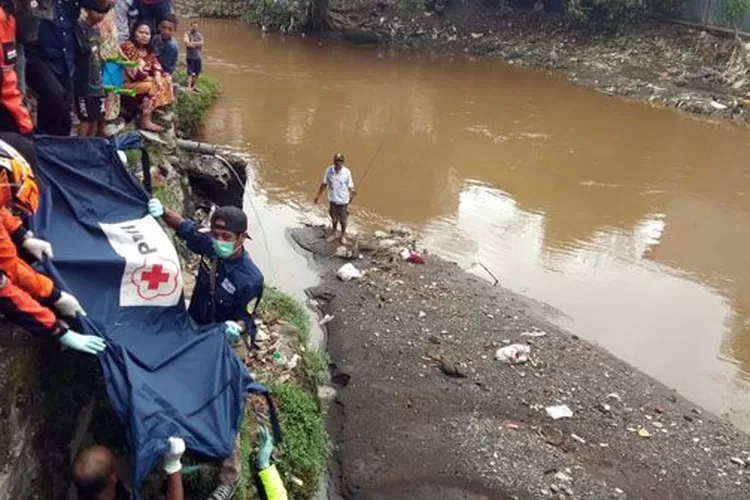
(165, 375)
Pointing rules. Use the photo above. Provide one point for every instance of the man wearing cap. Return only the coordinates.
(338, 180)
(228, 290)
(229, 284)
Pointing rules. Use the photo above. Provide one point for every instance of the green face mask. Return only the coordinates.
(223, 249)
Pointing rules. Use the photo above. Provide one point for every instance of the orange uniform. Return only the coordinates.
(14, 117)
(21, 287)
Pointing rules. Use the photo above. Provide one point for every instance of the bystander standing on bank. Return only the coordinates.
(338, 180)
(193, 45)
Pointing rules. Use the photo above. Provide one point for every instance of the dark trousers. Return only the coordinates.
(54, 97)
(153, 14)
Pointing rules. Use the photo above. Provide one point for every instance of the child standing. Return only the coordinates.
(88, 77)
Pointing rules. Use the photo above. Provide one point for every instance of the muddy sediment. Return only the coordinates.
(425, 410)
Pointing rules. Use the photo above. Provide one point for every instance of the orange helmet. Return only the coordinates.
(18, 187)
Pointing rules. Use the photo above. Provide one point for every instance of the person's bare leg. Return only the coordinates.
(344, 223)
(146, 122)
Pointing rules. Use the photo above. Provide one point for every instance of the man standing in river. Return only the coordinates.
(338, 179)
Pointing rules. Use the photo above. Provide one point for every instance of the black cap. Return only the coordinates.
(229, 218)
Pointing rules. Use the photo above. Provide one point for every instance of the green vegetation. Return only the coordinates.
(612, 15)
(285, 307)
(276, 302)
(304, 453)
(191, 108)
(732, 11)
(273, 15)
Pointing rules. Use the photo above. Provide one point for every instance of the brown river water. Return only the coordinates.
(632, 221)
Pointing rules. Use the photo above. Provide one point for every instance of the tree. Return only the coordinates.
(318, 17)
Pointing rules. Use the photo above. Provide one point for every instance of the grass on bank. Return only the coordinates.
(191, 108)
(293, 312)
(303, 455)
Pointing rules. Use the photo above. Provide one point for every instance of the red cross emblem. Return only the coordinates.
(156, 278)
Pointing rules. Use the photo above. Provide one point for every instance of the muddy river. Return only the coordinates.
(632, 221)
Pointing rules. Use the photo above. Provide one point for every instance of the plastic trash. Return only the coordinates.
(559, 411)
(415, 257)
(348, 272)
(404, 253)
(513, 354)
(326, 319)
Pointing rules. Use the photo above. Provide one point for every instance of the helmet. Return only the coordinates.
(17, 181)
(338, 157)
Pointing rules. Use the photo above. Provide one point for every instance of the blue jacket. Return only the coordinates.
(167, 53)
(239, 283)
(57, 41)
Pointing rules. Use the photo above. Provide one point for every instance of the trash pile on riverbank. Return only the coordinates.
(450, 386)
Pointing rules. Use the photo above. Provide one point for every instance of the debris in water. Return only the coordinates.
(559, 411)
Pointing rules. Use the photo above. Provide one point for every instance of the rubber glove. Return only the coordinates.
(155, 208)
(173, 455)
(89, 344)
(69, 306)
(232, 331)
(38, 248)
(265, 444)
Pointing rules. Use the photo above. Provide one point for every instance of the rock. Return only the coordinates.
(738, 461)
(381, 235)
(554, 488)
(562, 477)
(643, 432)
(452, 369)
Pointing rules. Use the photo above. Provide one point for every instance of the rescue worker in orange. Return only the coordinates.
(14, 117)
(23, 291)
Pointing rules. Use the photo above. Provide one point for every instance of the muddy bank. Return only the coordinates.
(661, 63)
(425, 410)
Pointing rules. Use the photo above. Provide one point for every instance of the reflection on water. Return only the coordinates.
(632, 221)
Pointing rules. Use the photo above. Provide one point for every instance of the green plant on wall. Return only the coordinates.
(732, 11)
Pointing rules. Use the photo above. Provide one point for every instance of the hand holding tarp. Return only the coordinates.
(155, 208)
(69, 306)
(232, 331)
(265, 443)
(173, 455)
(38, 248)
(90, 344)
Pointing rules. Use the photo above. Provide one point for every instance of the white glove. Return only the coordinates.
(69, 306)
(173, 455)
(38, 248)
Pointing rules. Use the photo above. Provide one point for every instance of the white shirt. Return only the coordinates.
(338, 184)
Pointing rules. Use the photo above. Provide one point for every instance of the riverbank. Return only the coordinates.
(425, 410)
(661, 63)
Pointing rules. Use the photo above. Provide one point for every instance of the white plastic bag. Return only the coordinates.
(559, 411)
(348, 272)
(514, 354)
